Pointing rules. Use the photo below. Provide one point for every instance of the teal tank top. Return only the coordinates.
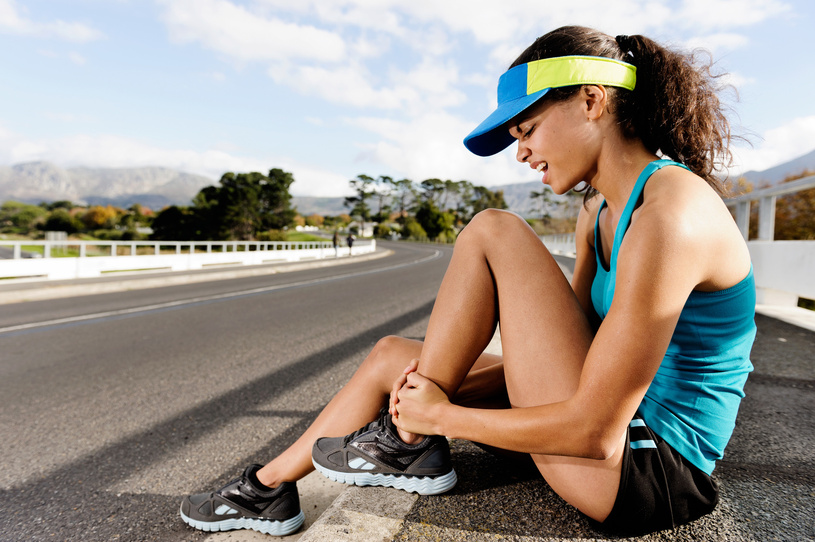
(694, 398)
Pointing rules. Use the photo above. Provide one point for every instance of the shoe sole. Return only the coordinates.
(265, 526)
(423, 485)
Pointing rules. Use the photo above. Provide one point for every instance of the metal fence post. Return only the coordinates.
(743, 218)
(766, 218)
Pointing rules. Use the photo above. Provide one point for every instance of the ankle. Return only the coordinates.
(267, 478)
(409, 438)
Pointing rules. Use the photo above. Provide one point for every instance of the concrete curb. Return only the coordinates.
(42, 290)
(362, 514)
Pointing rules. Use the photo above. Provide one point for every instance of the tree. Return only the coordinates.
(435, 222)
(275, 200)
(795, 213)
(99, 218)
(403, 193)
(382, 194)
(21, 217)
(242, 206)
(411, 229)
(174, 224)
(363, 187)
(546, 203)
(484, 198)
(61, 220)
(433, 190)
(315, 220)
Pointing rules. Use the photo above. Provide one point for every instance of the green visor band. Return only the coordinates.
(523, 85)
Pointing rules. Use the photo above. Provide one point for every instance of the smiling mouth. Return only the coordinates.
(542, 167)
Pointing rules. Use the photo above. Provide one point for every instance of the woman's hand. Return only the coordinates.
(418, 404)
(397, 385)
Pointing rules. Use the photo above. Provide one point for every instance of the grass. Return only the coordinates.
(303, 237)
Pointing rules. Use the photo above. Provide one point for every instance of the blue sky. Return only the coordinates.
(329, 89)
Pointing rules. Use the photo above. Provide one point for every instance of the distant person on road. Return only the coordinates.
(624, 385)
(350, 241)
(336, 242)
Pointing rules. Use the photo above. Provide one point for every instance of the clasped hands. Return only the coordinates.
(415, 402)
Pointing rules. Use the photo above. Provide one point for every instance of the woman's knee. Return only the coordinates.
(485, 224)
(389, 357)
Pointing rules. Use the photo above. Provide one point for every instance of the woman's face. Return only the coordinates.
(559, 140)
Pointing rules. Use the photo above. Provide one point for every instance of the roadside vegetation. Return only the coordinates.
(257, 207)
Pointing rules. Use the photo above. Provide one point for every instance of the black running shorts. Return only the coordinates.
(659, 489)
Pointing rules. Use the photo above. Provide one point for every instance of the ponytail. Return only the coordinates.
(674, 108)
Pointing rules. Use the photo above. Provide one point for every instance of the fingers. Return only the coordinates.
(397, 385)
(414, 380)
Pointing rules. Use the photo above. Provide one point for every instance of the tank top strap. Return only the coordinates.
(631, 205)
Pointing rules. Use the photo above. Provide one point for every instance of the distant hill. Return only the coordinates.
(307, 205)
(157, 187)
(775, 175)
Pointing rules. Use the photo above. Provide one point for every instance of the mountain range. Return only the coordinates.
(157, 187)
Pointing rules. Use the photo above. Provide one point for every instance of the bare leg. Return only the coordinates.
(501, 270)
(356, 404)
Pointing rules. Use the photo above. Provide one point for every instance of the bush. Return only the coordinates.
(133, 235)
(61, 220)
(382, 231)
(446, 237)
(108, 235)
(413, 230)
(272, 235)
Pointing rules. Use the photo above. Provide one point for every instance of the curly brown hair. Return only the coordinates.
(675, 107)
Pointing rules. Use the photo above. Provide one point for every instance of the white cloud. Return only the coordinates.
(736, 80)
(350, 84)
(431, 146)
(234, 31)
(777, 146)
(720, 14)
(13, 22)
(722, 41)
(76, 58)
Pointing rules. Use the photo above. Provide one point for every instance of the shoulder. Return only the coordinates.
(684, 222)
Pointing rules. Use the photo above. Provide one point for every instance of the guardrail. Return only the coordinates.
(560, 243)
(48, 260)
(766, 206)
(784, 270)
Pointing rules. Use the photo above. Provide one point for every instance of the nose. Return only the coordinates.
(522, 154)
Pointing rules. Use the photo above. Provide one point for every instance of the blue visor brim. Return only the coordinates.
(492, 135)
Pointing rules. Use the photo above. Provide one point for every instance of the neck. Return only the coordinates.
(620, 163)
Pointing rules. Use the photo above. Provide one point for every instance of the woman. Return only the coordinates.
(623, 386)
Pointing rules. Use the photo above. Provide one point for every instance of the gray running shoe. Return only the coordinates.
(240, 504)
(376, 456)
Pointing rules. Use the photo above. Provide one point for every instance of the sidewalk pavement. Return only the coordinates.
(767, 476)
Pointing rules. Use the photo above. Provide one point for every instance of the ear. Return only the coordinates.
(595, 98)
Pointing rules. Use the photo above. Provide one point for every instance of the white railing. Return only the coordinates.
(560, 243)
(766, 206)
(81, 259)
(784, 270)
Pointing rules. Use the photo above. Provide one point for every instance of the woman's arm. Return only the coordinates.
(585, 265)
(656, 271)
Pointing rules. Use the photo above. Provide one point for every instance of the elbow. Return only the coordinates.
(601, 444)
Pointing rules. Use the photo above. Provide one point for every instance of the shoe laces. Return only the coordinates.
(378, 423)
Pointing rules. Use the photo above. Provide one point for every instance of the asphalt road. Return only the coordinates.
(114, 406)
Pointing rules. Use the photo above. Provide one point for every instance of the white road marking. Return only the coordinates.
(214, 297)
